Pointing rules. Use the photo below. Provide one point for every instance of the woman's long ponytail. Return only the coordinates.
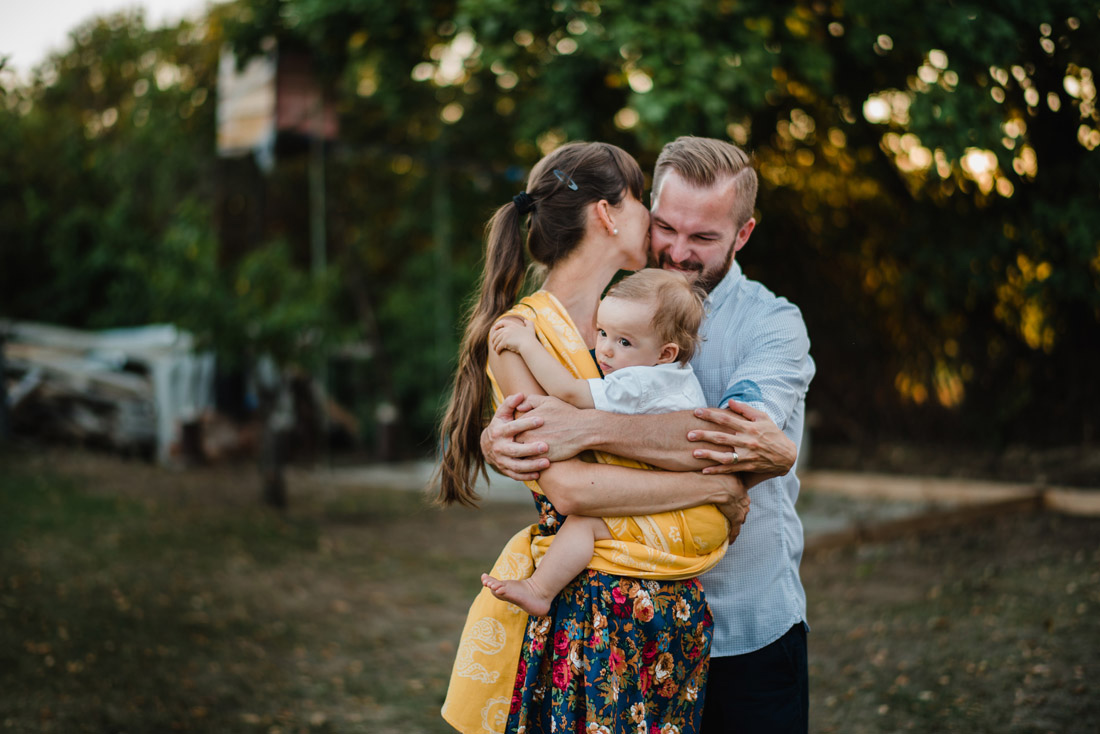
(462, 424)
(559, 189)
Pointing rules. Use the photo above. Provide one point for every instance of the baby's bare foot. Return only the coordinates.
(522, 593)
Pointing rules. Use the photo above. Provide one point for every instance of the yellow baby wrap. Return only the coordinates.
(667, 546)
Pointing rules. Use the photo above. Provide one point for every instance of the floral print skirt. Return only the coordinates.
(614, 656)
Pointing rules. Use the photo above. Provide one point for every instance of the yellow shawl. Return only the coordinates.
(668, 546)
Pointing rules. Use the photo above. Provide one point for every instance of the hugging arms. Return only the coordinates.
(727, 452)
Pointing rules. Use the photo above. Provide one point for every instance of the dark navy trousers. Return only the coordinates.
(761, 692)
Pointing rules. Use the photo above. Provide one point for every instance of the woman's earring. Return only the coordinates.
(615, 231)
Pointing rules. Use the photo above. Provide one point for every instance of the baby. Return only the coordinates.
(646, 331)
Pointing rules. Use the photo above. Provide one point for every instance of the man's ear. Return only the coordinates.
(669, 353)
(743, 234)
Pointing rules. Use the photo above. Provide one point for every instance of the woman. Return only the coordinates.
(616, 653)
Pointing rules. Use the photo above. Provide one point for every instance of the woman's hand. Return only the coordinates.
(512, 334)
(736, 505)
(756, 443)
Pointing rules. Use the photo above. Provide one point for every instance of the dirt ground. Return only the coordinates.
(134, 598)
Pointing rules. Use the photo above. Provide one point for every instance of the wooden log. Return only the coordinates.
(1081, 502)
(915, 489)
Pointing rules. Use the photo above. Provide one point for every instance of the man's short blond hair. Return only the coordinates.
(703, 162)
(678, 306)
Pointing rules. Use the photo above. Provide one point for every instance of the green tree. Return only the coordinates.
(931, 171)
(925, 173)
(928, 180)
(106, 142)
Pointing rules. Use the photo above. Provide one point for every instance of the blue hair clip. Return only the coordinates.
(566, 179)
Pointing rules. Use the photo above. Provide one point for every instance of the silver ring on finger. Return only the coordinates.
(736, 458)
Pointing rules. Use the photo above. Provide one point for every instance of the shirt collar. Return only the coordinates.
(725, 287)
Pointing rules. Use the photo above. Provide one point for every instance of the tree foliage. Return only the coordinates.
(107, 203)
(928, 180)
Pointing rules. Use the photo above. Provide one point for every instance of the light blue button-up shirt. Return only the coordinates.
(756, 351)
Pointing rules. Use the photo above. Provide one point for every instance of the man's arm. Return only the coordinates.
(703, 440)
(523, 459)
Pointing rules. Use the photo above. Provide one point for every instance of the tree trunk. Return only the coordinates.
(272, 459)
(277, 411)
(4, 425)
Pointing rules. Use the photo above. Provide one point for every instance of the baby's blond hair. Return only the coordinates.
(678, 306)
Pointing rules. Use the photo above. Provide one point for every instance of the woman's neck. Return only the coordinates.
(578, 282)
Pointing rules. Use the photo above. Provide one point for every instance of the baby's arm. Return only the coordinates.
(516, 335)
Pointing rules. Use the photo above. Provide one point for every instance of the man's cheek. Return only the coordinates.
(657, 250)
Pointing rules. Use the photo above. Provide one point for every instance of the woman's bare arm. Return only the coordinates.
(577, 487)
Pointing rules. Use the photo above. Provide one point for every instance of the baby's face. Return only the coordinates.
(624, 335)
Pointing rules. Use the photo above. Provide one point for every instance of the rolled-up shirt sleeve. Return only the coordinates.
(774, 375)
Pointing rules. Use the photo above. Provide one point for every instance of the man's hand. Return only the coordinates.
(563, 427)
(756, 443)
(736, 507)
(521, 461)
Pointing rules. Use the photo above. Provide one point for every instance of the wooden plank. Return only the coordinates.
(82, 376)
(1080, 502)
(141, 339)
(915, 489)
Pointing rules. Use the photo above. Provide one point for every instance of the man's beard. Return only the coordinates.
(705, 278)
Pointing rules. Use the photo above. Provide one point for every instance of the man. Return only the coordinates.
(754, 350)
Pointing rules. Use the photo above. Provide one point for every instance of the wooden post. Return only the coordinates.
(5, 426)
(318, 236)
(317, 205)
(273, 445)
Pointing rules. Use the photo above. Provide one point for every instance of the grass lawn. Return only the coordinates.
(136, 599)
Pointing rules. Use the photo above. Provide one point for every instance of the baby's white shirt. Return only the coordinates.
(662, 388)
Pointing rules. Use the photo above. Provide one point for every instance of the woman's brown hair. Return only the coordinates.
(559, 189)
